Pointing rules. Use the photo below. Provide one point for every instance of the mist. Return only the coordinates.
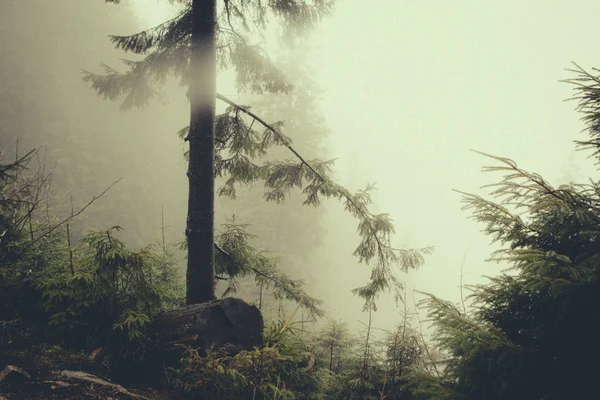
(407, 90)
(385, 199)
(435, 81)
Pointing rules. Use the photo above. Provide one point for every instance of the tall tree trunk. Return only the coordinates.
(200, 278)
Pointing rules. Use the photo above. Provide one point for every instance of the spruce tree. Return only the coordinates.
(533, 333)
(191, 46)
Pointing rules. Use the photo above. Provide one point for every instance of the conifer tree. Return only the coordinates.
(534, 332)
(191, 46)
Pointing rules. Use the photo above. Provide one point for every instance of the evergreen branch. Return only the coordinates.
(272, 129)
(374, 229)
(544, 206)
(230, 257)
(162, 35)
(587, 93)
(344, 193)
(520, 173)
(283, 283)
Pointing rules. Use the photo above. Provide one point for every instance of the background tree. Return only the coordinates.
(46, 104)
(333, 342)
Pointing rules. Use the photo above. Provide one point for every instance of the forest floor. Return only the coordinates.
(40, 377)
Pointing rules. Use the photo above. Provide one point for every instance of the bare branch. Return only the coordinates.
(69, 218)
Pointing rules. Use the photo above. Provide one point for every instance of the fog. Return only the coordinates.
(409, 89)
(412, 86)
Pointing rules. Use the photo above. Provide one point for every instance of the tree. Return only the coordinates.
(200, 221)
(191, 46)
(534, 331)
(333, 341)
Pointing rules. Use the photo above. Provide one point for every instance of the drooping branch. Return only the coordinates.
(374, 229)
(291, 288)
(272, 129)
(283, 139)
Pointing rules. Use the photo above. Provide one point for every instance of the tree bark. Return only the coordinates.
(200, 277)
(209, 326)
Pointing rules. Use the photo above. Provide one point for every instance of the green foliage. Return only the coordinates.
(379, 368)
(88, 295)
(364, 367)
(237, 258)
(27, 243)
(533, 333)
(108, 289)
(278, 370)
(479, 355)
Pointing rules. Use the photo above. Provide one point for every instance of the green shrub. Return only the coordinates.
(94, 294)
(109, 292)
(278, 370)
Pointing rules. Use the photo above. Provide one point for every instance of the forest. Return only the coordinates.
(187, 206)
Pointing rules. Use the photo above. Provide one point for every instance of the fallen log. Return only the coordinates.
(208, 326)
(228, 324)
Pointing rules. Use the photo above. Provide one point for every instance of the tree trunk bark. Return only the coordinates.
(200, 277)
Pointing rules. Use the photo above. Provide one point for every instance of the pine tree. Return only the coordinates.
(533, 333)
(191, 46)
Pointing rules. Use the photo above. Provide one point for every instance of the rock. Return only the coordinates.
(208, 326)
(12, 376)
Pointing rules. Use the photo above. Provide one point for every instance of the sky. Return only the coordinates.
(410, 88)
